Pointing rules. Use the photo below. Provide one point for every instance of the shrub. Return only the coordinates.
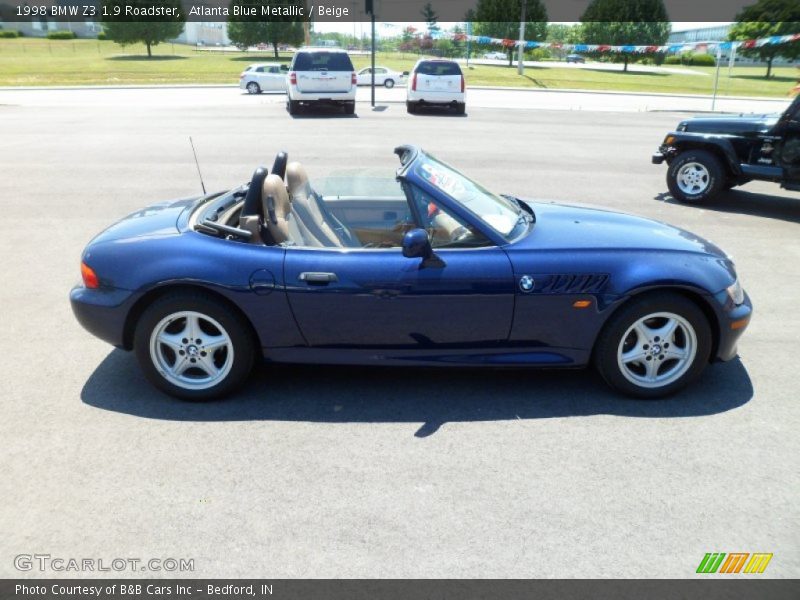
(703, 60)
(61, 35)
(102, 36)
(691, 59)
(8, 33)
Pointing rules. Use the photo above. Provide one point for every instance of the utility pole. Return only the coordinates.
(370, 6)
(521, 49)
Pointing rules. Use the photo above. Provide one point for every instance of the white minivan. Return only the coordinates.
(436, 82)
(321, 76)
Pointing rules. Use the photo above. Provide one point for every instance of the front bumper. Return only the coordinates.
(658, 158)
(103, 312)
(732, 326)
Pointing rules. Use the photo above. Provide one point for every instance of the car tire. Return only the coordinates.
(461, 108)
(637, 355)
(197, 327)
(695, 176)
(411, 108)
(293, 106)
(350, 108)
(388, 84)
(253, 88)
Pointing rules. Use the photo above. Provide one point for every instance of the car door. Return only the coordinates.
(273, 79)
(787, 145)
(364, 77)
(379, 298)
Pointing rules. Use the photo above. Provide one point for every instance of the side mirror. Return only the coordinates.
(417, 245)
(405, 73)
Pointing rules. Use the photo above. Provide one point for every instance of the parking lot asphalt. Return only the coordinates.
(373, 472)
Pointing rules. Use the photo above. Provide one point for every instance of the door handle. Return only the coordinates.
(313, 278)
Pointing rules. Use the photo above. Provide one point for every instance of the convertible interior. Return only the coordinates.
(280, 207)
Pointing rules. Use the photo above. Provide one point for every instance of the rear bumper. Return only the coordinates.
(331, 97)
(102, 312)
(437, 97)
(732, 326)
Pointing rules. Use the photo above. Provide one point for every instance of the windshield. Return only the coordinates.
(501, 214)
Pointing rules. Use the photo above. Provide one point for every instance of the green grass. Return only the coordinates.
(32, 62)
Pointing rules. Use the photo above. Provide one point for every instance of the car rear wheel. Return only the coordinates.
(411, 108)
(654, 346)
(293, 106)
(193, 347)
(389, 83)
(253, 88)
(695, 176)
(461, 108)
(350, 108)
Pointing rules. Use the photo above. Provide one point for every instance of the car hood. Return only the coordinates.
(155, 220)
(740, 125)
(577, 228)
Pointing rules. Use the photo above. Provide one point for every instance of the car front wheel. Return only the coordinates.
(193, 347)
(253, 88)
(654, 345)
(695, 176)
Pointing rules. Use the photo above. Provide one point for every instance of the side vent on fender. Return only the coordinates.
(590, 283)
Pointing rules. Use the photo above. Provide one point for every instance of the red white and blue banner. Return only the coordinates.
(706, 46)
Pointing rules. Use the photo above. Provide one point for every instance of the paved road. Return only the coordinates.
(520, 98)
(348, 472)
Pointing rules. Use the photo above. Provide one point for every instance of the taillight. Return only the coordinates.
(293, 78)
(353, 78)
(414, 82)
(90, 279)
(462, 83)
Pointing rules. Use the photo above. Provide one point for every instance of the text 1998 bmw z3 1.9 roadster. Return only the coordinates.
(423, 268)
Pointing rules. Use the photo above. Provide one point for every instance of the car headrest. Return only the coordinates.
(252, 201)
(279, 166)
(275, 199)
(296, 180)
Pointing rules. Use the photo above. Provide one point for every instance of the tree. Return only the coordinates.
(767, 18)
(625, 23)
(500, 19)
(249, 31)
(430, 17)
(149, 30)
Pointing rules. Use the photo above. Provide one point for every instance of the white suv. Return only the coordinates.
(436, 82)
(321, 76)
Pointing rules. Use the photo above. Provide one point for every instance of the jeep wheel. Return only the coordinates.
(695, 176)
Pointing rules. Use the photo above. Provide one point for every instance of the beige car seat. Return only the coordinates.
(314, 227)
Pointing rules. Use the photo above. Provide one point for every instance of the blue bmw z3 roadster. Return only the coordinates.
(423, 267)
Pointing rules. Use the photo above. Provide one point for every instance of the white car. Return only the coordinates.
(263, 77)
(436, 82)
(321, 76)
(383, 76)
(496, 56)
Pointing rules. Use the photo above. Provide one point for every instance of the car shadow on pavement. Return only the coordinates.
(431, 397)
(746, 203)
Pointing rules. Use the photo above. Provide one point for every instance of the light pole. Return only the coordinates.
(521, 49)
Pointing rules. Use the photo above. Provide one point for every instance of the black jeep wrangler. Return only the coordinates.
(710, 154)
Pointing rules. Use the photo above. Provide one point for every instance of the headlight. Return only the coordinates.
(735, 292)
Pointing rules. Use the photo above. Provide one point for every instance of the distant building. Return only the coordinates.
(718, 33)
(204, 33)
(41, 27)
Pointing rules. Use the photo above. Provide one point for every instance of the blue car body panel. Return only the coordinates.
(383, 307)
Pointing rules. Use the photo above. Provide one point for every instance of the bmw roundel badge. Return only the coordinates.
(526, 283)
